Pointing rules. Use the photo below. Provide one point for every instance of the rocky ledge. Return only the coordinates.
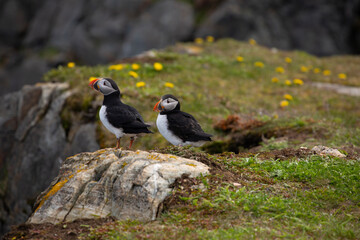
(118, 183)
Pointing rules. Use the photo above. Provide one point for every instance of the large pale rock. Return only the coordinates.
(108, 182)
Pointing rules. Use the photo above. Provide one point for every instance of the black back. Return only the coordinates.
(123, 116)
(185, 126)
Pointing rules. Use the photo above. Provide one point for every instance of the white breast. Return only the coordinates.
(162, 124)
(117, 131)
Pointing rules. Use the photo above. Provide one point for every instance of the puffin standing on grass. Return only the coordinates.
(117, 117)
(179, 128)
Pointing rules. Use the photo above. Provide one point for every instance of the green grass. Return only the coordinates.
(306, 198)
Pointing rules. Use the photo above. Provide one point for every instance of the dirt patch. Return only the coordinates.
(146, 59)
(244, 133)
(352, 152)
(235, 123)
(287, 153)
(64, 231)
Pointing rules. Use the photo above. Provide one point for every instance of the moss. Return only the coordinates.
(66, 120)
(53, 190)
(49, 52)
(192, 165)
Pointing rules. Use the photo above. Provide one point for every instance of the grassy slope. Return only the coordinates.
(213, 85)
(304, 197)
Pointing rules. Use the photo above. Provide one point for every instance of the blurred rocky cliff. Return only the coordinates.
(36, 35)
(33, 144)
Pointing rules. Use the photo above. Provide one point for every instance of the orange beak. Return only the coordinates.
(92, 83)
(156, 107)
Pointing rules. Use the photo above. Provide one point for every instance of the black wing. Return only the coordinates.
(136, 113)
(126, 117)
(186, 127)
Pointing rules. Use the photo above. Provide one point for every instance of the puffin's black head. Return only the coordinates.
(167, 103)
(104, 85)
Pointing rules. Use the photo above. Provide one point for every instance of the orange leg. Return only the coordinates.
(118, 143)
(131, 142)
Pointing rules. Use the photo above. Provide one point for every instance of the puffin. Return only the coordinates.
(179, 128)
(117, 117)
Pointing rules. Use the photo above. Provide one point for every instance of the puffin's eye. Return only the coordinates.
(167, 101)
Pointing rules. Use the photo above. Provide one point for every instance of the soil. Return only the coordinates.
(64, 231)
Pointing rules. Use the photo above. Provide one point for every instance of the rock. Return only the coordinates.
(68, 16)
(13, 22)
(84, 48)
(108, 182)
(340, 89)
(21, 72)
(33, 143)
(310, 26)
(40, 27)
(84, 140)
(326, 151)
(163, 24)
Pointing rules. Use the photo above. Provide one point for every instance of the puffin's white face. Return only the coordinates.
(104, 86)
(168, 104)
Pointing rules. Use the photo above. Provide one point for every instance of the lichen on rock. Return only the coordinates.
(117, 183)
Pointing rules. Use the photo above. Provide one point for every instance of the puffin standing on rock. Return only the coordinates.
(179, 128)
(117, 117)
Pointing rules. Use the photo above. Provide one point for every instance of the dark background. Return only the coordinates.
(36, 35)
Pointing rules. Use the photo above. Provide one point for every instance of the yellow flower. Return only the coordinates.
(133, 74)
(169, 85)
(326, 72)
(158, 66)
(239, 59)
(280, 70)
(199, 40)
(288, 97)
(298, 81)
(140, 84)
(316, 70)
(71, 64)
(210, 39)
(116, 67)
(135, 66)
(288, 60)
(92, 78)
(284, 103)
(275, 80)
(342, 76)
(252, 41)
(287, 82)
(304, 69)
(259, 64)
